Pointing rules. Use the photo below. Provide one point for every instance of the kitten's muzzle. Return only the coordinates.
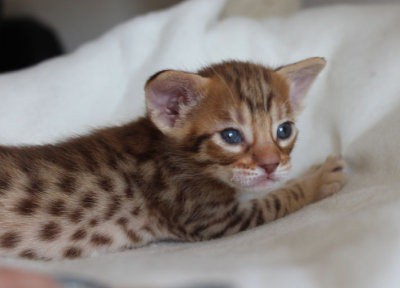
(270, 168)
(267, 157)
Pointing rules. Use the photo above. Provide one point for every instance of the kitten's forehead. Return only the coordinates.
(256, 89)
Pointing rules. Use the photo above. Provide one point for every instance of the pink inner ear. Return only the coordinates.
(299, 86)
(301, 81)
(166, 99)
(173, 106)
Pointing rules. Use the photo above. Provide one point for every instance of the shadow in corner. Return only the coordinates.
(25, 42)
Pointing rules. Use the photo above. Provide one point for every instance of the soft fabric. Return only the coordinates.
(349, 240)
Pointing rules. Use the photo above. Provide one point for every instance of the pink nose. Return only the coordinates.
(267, 157)
(270, 168)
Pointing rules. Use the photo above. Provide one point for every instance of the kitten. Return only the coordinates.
(174, 174)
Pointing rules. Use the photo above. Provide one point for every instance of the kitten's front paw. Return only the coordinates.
(329, 177)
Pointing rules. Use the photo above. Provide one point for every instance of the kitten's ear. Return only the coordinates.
(170, 95)
(300, 76)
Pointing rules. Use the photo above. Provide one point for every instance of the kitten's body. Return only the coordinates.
(169, 175)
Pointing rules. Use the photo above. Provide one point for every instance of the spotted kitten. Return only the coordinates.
(176, 173)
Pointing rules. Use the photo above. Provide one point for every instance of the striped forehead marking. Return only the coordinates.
(251, 82)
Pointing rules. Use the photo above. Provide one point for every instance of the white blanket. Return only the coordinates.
(349, 240)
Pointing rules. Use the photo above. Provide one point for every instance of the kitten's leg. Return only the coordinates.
(317, 183)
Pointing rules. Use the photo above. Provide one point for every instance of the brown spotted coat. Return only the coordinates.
(126, 186)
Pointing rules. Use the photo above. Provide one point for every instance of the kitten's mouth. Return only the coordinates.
(262, 182)
(255, 182)
(257, 179)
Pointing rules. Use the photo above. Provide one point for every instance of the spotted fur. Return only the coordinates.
(168, 175)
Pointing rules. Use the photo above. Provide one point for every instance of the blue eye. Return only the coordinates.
(231, 136)
(284, 130)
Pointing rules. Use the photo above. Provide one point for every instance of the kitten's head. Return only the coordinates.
(234, 119)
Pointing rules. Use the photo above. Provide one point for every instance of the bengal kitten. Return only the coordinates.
(177, 173)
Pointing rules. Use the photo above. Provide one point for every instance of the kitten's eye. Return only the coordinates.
(284, 130)
(231, 136)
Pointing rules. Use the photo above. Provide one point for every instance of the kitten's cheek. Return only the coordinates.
(284, 168)
(221, 173)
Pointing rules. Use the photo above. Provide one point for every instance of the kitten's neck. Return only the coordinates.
(148, 141)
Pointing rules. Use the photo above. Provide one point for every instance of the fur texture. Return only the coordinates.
(176, 173)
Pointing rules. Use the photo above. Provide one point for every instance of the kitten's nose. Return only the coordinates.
(269, 168)
(268, 158)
